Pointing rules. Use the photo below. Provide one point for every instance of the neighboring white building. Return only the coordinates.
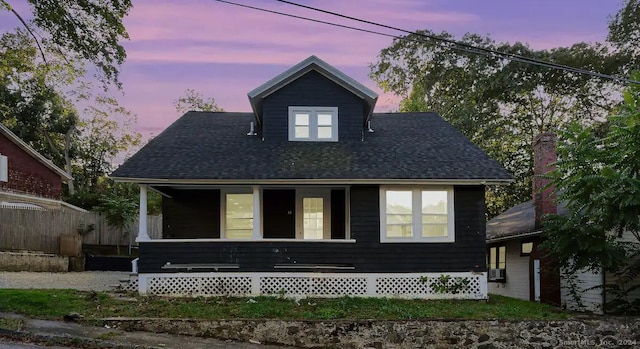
(517, 266)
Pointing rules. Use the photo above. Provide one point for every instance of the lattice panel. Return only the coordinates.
(226, 286)
(325, 286)
(174, 286)
(432, 285)
(474, 286)
(130, 285)
(284, 285)
(401, 286)
(339, 286)
(211, 286)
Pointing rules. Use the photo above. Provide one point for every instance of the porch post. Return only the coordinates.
(143, 235)
(257, 219)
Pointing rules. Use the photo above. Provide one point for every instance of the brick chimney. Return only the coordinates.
(544, 155)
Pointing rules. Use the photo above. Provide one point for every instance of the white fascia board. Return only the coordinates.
(322, 67)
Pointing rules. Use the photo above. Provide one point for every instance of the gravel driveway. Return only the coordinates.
(85, 281)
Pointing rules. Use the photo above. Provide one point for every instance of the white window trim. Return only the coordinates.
(313, 123)
(4, 168)
(223, 209)
(325, 194)
(300, 192)
(417, 215)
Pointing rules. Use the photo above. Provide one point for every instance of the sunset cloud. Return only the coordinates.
(224, 51)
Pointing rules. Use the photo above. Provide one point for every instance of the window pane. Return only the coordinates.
(492, 258)
(399, 231)
(399, 214)
(324, 132)
(527, 247)
(502, 255)
(239, 216)
(398, 202)
(399, 219)
(434, 201)
(302, 119)
(434, 230)
(434, 218)
(312, 215)
(324, 119)
(302, 131)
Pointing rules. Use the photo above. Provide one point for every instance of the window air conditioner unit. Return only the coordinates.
(497, 274)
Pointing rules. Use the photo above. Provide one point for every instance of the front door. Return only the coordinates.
(278, 212)
(313, 214)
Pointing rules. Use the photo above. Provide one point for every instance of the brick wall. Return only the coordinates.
(544, 157)
(27, 175)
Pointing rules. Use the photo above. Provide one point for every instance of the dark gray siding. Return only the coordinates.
(314, 90)
(191, 214)
(467, 253)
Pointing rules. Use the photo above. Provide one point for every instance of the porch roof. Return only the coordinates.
(517, 222)
(210, 146)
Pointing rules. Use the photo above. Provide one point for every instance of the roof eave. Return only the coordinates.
(311, 63)
(27, 148)
(514, 236)
(167, 181)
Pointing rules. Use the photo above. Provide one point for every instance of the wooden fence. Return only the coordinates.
(36, 230)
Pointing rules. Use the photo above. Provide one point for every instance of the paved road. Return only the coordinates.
(14, 345)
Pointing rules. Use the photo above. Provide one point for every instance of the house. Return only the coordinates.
(28, 179)
(312, 193)
(517, 265)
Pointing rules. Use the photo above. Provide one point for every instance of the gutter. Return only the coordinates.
(247, 181)
(514, 236)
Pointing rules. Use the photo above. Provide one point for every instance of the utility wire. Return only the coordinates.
(446, 43)
(488, 52)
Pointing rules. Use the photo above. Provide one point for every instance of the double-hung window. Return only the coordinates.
(416, 214)
(238, 216)
(497, 263)
(313, 124)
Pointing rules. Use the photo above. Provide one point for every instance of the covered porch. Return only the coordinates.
(321, 240)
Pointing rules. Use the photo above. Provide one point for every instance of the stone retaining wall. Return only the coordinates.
(604, 332)
(33, 261)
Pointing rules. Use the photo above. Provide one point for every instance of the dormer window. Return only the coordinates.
(313, 124)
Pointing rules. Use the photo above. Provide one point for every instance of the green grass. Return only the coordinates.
(53, 304)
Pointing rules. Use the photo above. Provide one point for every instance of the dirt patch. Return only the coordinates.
(84, 281)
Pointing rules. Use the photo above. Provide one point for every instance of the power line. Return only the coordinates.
(454, 45)
(505, 55)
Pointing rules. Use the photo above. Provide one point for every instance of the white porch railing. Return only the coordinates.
(462, 285)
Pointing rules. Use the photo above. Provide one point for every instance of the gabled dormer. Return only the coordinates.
(312, 101)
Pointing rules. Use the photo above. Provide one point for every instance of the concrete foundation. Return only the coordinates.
(33, 261)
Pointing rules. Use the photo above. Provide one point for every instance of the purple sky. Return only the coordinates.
(224, 51)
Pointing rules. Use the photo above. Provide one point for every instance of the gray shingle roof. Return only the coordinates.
(517, 221)
(214, 146)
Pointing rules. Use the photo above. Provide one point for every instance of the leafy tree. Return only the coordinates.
(598, 178)
(193, 100)
(106, 132)
(499, 104)
(119, 211)
(624, 27)
(29, 104)
(90, 29)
